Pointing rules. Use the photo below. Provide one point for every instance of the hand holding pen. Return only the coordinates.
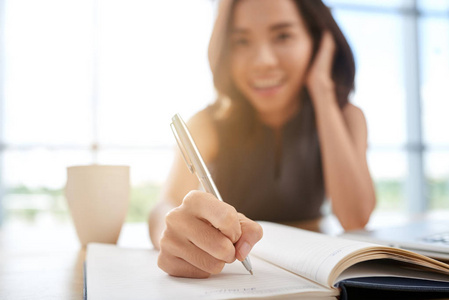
(202, 234)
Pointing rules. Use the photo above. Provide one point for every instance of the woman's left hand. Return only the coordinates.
(319, 79)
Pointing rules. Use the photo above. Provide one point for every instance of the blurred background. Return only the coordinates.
(97, 81)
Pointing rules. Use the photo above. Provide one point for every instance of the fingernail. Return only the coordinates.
(244, 249)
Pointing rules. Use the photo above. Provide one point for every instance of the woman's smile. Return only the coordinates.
(267, 87)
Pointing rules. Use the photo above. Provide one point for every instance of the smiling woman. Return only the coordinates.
(280, 137)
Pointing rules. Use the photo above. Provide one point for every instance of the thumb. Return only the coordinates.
(251, 233)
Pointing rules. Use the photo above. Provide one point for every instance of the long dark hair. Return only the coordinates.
(317, 18)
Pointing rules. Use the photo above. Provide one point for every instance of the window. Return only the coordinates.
(97, 81)
(434, 50)
(402, 55)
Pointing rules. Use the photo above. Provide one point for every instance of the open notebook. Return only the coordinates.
(287, 262)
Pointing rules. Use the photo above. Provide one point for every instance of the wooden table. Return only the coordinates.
(43, 260)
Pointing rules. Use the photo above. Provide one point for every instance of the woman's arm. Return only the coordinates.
(343, 141)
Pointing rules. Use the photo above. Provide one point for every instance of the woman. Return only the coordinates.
(280, 137)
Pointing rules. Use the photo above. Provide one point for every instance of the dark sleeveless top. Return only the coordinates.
(250, 178)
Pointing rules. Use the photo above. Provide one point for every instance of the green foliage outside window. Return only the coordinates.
(143, 197)
(390, 197)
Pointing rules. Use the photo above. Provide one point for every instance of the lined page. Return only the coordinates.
(309, 254)
(121, 273)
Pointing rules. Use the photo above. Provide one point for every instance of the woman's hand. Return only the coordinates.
(319, 79)
(203, 234)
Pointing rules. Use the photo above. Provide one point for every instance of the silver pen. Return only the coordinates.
(196, 164)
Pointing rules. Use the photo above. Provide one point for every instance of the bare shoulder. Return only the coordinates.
(356, 123)
(204, 133)
(353, 115)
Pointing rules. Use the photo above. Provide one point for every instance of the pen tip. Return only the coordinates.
(251, 272)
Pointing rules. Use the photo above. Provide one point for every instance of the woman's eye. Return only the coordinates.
(283, 36)
(240, 42)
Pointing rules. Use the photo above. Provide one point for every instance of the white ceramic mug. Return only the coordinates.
(98, 198)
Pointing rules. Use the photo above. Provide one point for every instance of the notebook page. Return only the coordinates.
(121, 273)
(309, 254)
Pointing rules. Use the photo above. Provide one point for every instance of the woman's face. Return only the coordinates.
(270, 53)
